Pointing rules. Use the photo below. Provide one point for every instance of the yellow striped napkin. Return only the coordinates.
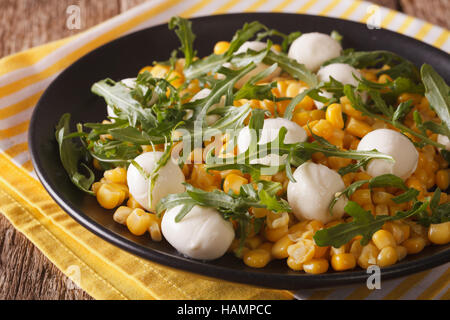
(104, 271)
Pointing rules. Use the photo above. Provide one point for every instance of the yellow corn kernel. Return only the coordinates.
(401, 252)
(442, 179)
(293, 89)
(381, 197)
(343, 261)
(349, 110)
(387, 256)
(268, 247)
(299, 227)
(253, 242)
(340, 250)
(397, 231)
(368, 256)
(357, 127)
(317, 114)
(309, 126)
(294, 264)
(108, 196)
(439, 233)
(96, 164)
(348, 178)
(257, 258)
(260, 212)
(279, 248)
(116, 175)
(383, 238)
(155, 227)
(362, 197)
(277, 220)
(301, 118)
(159, 71)
(204, 180)
(416, 98)
(221, 47)
(302, 251)
(414, 245)
(276, 47)
(138, 222)
(316, 266)
(146, 68)
(356, 248)
(95, 186)
(337, 138)
(413, 182)
(276, 234)
(233, 182)
(384, 78)
(176, 78)
(121, 214)
(334, 115)
(324, 129)
(320, 252)
(133, 204)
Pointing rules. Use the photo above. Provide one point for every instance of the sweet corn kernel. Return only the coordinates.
(116, 175)
(221, 47)
(316, 266)
(439, 233)
(334, 115)
(302, 251)
(108, 196)
(343, 261)
(381, 197)
(401, 252)
(387, 256)
(357, 127)
(414, 245)
(356, 248)
(317, 114)
(362, 197)
(383, 238)
(416, 98)
(121, 214)
(368, 256)
(95, 186)
(442, 179)
(159, 71)
(340, 250)
(324, 129)
(155, 227)
(253, 242)
(257, 258)
(133, 204)
(349, 110)
(275, 234)
(301, 118)
(138, 222)
(279, 248)
(397, 231)
(146, 68)
(294, 264)
(276, 47)
(320, 252)
(233, 182)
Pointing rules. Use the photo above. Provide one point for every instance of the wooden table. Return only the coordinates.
(25, 273)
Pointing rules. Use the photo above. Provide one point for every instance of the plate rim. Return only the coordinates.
(267, 280)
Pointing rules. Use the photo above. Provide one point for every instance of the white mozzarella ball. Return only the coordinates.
(444, 140)
(341, 72)
(169, 180)
(313, 49)
(269, 132)
(202, 233)
(256, 46)
(315, 187)
(396, 145)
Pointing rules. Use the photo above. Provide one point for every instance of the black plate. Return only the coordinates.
(123, 58)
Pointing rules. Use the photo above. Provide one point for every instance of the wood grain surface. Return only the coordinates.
(25, 273)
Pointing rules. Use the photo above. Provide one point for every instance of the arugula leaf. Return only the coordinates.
(438, 94)
(292, 67)
(242, 35)
(250, 90)
(364, 224)
(288, 113)
(400, 67)
(71, 155)
(186, 36)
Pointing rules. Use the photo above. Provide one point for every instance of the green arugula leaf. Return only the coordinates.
(71, 155)
(186, 36)
(364, 224)
(247, 32)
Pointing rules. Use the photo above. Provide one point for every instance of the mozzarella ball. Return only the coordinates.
(444, 140)
(202, 233)
(169, 180)
(315, 187)
(313, 49)
(396, 145)
(341, 72)
(256, 46)
(269, 132)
